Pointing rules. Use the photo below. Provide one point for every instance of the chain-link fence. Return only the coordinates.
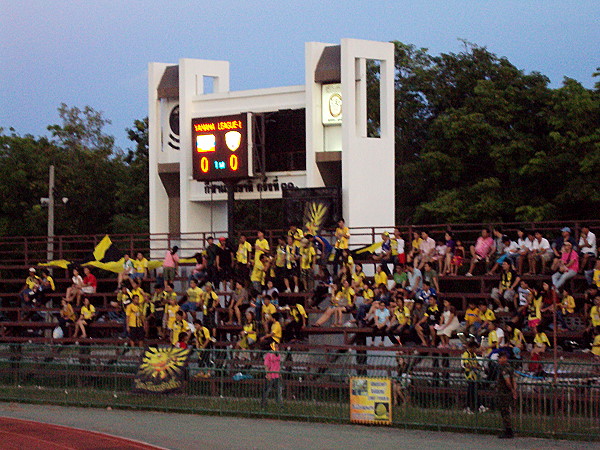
(428, 391)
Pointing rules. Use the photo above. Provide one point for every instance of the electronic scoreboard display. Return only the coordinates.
(220, 148)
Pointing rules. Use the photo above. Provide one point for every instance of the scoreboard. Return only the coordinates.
(220, 148)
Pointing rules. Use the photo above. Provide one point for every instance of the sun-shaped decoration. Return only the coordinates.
(160, 363)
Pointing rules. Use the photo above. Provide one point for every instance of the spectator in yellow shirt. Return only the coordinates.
(342, 238)
(179, 326)
(135, 322)
(380, 276)
(85, 318)
(276, 331)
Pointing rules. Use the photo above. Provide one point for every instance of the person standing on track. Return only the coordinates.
(506, 390)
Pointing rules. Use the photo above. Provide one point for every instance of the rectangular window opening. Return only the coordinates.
(373, 68)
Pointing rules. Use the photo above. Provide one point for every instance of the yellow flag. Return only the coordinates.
(62, 263)
(101, 248)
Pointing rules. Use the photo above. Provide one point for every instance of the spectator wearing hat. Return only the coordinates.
(170, 263)
(32, 283)
(565, 236)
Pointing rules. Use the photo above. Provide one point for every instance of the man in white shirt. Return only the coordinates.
(525, 243)
(426, 251)
(541, 251)
(587, 248)
(510, 253)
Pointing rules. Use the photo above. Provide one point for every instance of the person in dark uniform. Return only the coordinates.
(506, 390)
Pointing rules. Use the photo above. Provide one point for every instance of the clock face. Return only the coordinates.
(335, 105)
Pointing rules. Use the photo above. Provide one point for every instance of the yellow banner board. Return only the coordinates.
(371, 400)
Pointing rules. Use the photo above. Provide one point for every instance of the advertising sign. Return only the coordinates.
(371, 400)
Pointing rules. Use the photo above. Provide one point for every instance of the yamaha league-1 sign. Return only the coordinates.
(220, 148)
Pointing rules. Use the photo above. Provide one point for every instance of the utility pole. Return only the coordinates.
(51, 214)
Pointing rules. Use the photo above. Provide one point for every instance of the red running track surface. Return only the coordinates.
(25, 434)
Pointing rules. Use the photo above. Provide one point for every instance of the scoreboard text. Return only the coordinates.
(220, 148)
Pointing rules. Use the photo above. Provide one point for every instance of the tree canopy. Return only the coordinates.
(106, 187)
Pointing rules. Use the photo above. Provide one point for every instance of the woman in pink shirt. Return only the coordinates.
(272, 380)
(569, 265)
(482, 250)
(170, 265)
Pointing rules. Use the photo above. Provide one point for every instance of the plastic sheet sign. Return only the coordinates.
(371, 400)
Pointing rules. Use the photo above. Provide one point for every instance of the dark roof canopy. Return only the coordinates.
(329, 66)
(169, 83)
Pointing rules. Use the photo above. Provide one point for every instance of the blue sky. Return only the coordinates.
(96, 52)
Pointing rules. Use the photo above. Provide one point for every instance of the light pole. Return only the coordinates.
(51, 214)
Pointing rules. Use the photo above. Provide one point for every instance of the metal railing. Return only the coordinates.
(430, 391)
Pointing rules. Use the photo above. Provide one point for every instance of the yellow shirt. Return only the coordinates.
(268, 309)
(290, 255)
(135, 318)
(195, 295)
(297, 312)
(88, 311)
(488, 316)
(243, 252)
(380, 278)
(472, 316)
(139, 292)
(568, 304)
(202, 336)
(210, 300)
(342, 235)
(596, 277)
(596, 346)
(297, 236)
(32, 282)
(307, 255)
(517, 337)
(541, 338)
(402, 315)
(416, 244)
(368, 294)
(178, 327)
(140, 265)
(470, 365)
(280, 256)
(170, 314)
(359, 278)
(277, 331)
(260, 246)
(348, 294)
(493, 339)
(68, 313)
(595, 316)
(250, 331)
(258, 272)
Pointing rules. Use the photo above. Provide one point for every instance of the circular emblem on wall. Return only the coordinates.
(335, 105)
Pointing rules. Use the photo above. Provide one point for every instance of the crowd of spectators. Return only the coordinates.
(401, 302)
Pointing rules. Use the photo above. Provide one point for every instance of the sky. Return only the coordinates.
(97, 52)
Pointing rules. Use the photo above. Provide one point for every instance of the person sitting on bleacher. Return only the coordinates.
(46, 286)
(541, 251)
(267, 309)
(194, 297)
(428, 323)
(297, 319)
(514, 338)
(123, 300)
(426, 293)
(448, 324)
(66, 317)
(74, 291)
(426, 251)
(399, 320)
(275, 331)
(86, 317)
(415, 281)
(140, 265)
(249, 334)
(90, 284)
(506, 290)
(385, 254)
(28, 291)
(128, 269)
(483, 249)
(486, 316)
(238, 302)
(472, 323)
